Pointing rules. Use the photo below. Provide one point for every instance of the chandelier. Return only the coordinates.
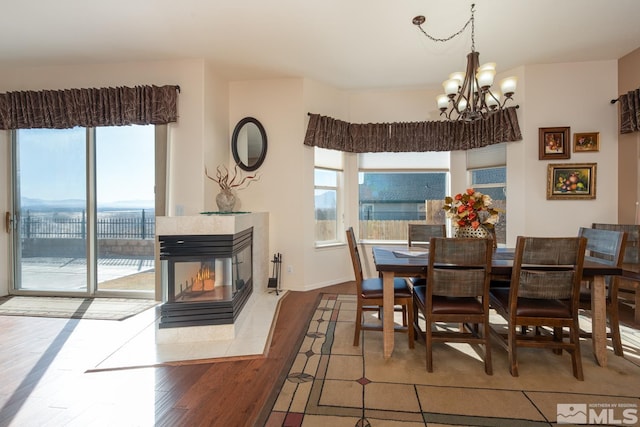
(468, 96)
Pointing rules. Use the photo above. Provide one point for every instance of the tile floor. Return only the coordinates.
(252, 338)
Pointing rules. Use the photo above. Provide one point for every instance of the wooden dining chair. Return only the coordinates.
(544, 293)
(605, 246)
(419, 235)
(457, 292)
(629, 289)
(370, 297)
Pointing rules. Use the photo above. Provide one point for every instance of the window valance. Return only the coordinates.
(68, 108)
(326, 132)
(630, 111)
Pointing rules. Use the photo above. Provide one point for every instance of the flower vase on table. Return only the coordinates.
(481, 232)
(472, 215)
(469, 231)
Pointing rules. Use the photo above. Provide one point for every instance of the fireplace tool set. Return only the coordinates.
(274, 282)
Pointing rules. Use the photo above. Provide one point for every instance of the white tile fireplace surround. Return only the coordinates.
(217, 224)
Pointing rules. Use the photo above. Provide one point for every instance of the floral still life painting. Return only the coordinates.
(571, 181)
(583, 142)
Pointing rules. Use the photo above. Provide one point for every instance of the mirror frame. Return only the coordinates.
(234, 144)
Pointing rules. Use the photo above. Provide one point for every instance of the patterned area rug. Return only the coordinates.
(331, 382)
(74, 308)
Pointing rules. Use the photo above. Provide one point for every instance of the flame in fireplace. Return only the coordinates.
(204, 280)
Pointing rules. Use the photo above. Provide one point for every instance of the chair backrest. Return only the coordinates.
(421, 234)
(631, 253)
(459, 267)
(547, 268)
(355, 257)
(605, 246)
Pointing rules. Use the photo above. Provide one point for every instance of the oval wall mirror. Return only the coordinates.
(249, 144)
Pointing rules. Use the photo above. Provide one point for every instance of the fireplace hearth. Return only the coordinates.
(209, 278)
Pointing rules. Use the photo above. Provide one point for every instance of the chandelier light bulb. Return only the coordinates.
(487, 66)
(508, 86)
(459, 76)
(443, 101)
(485, 77)
(451, 86)
(462, 105)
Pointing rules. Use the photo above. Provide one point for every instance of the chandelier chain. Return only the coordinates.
(456, 34)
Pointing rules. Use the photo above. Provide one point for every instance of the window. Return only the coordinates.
(488, 174)
(395, 189)
(327, 196)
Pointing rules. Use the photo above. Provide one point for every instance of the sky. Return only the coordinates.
(52, 163)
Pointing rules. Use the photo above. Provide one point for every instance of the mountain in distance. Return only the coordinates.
(325, 200)
(78, 204)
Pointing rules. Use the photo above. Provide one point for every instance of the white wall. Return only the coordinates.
(216, 143)
(575, 95)
(285, 176)
(324, 266)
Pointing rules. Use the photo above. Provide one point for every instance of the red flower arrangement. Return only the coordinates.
(472, 209)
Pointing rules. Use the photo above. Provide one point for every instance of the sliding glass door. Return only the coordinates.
(50, 207)
(125, 215)
(83, 209)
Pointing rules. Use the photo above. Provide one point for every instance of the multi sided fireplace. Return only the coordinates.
(209, 278)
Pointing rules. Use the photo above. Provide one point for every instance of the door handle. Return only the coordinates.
(7, 221)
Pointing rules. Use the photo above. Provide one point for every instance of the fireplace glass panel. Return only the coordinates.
(210, 278)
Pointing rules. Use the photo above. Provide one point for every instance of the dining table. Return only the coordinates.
(392, 261)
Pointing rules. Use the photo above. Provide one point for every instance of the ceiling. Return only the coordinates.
(349, 44)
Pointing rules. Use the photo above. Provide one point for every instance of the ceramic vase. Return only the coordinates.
(225, 200)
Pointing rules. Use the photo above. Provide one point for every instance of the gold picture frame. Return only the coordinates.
(554, 143)
(571, 181)
(586, 141)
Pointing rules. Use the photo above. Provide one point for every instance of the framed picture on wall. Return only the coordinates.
(583, 142)
(571, 181)
(554, 143)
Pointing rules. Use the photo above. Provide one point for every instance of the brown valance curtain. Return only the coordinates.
(326, 132)
(68, 108)
(630, 111)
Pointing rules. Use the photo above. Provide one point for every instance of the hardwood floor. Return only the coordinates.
(47, 375)
(45, 366)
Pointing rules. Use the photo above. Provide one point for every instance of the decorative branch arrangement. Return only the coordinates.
(228, 181)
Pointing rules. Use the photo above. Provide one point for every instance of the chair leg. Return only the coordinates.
(416, 321)
(410, 331)
(429, 343)
(513, 357)
(576, 356)
(488, 367)
(356, 336)
(557, 336)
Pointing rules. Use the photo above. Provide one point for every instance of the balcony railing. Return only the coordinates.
(69, 225)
